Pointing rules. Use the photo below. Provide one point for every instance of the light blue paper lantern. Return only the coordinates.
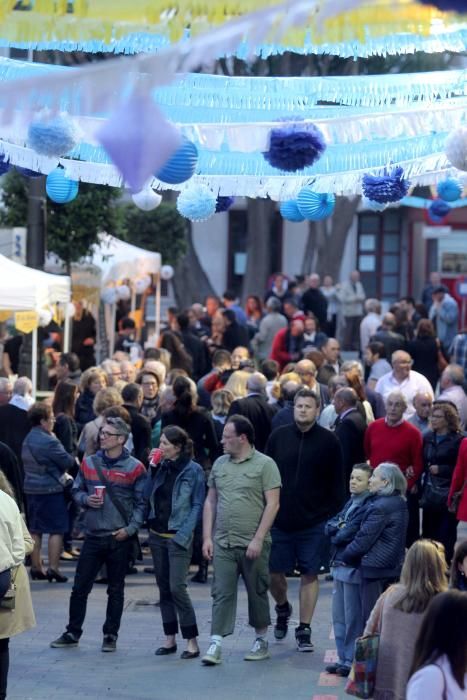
(197, 203)
(450, 189)
(60, 188)
(181, 166)
(315, 205)
(289, 210)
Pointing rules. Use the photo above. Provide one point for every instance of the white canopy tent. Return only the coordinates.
(25, 289)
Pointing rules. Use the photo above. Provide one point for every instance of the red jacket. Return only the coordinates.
(279, 350)
(458, 479)
(401, 444)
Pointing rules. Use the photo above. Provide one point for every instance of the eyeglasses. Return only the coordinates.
(105, 433)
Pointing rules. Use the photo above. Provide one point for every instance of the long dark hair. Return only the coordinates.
(460, 553)
(184, 404)
(64, 398)
(179, 357)
(180, 438)
(444, 631)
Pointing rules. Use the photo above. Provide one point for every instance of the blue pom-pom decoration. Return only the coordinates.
(450, 189)
(295, 147)
(315, 206)
(289, 210)
(53, 137)
(197, 203)
(374, 206)
(181, 166)
(4, 165)
(438, 209)
(224, 203)
(386, 188)
(60, 188)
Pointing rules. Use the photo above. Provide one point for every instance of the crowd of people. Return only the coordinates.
(245, 442)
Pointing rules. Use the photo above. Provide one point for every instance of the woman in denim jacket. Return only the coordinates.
(346, 605)
(175, 492)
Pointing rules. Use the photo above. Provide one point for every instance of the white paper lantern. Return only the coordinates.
(167, 272)
(456, 148)
(142, 284)
(109, 295)
(123, 292)
(70, 309)
(45, 317)
(147, 199)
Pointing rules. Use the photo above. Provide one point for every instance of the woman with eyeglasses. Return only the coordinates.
(440, 450)
(175, 492)
(398, 615)
(45, 463)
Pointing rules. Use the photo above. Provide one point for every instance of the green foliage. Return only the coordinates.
(162, 230)
(14, 200)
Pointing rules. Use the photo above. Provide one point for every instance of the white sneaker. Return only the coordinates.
(258, 651)
(213, 655)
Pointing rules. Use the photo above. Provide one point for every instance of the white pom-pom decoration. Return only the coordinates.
(109, 295)
(45, 317)
(70, 309)
(147, 199)
(456, 148)
(167, 272)
(142, 284)
(123, 292)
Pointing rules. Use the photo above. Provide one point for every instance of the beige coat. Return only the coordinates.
(22, 618)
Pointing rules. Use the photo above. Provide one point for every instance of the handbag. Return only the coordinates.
(456, 499)
(8, 602)
(435, 493)
(135, 552)
(441, 361)
(362, 677)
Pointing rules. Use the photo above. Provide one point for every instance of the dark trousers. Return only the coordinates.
(413, 527)
(351, 340)
(4, 665)
(371, 589)
(95, 552)
(440, 525)
(171, 564)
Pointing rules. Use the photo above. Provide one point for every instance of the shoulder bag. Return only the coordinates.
(456, 499)
(135, 552)
(435, 492)
(8, 601)
(362, 677)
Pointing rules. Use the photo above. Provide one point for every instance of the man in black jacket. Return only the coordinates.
(313, 489)
(255, 407)
(314, 300)
(350, 428)
(132, 395)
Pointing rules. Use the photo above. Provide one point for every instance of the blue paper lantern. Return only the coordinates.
(197, 203)
(181, 166)
(438, 210)
(315, 205)
(53, 137)
(289, 210)
(390, 187)
(60, 188)
(450, 189)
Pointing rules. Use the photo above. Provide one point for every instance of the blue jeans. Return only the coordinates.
(346, 619)
(95, 552)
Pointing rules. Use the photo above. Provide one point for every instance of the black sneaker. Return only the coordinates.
(65, 640)
(109, 643)
(282, 622)
(303, 638)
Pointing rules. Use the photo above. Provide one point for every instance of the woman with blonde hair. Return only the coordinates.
(236, 383)
(92, 381)
(398, 615)
(15, 544)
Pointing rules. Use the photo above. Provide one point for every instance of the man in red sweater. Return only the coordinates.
(393, 439)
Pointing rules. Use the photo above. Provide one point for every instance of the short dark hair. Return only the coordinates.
(70, 359)
(127, 323)
(243, 426)
(409, 300)
(117, 412)
(131, 392)
(364, 467)
(183, 321)
(270, 369)
(229, 315)
(152, 354)
(139, 378)
(460, 553)
(377, 348)
(306, 394)
(221, 357)
(229, 295)
(38, 412)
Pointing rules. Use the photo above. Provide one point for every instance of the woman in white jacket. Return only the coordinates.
(15, 543)
(439, 667)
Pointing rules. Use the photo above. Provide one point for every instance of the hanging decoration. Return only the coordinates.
(389, 187)
(438, 210)
(142, 284)
(374, 206)
(4, 165)
(60, 188)
(147, 199)
(109, 295)
(167, 272)
(197, 203)
(290, 211)
(138, 139)
(53, 136)
(123, 292)
(70, 309)
(224, 204)
(181, 166)
(450, 189)
(456, 148)
(315, 206)
(294, 147)
(45, 317)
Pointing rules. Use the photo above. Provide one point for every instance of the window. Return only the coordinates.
(378, 254)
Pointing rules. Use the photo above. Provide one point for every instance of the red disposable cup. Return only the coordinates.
(155, 457)
(99, 491)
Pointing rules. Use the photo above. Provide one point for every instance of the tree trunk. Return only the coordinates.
(326, 239)
(258, 261)
(191, 284)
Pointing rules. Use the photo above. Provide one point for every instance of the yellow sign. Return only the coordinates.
(5, 315)
(26, 321)
(137, 317)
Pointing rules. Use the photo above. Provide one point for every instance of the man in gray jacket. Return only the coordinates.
(110, 485)
(268, 327)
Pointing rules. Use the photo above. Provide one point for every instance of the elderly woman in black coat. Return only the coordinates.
(378, 548)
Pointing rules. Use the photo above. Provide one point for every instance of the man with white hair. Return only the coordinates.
(421, 418)
(22, 393)
(256, 408)
(393, 439)
(14, 422)
(403, 379)
(370, 323)
(452, 385)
